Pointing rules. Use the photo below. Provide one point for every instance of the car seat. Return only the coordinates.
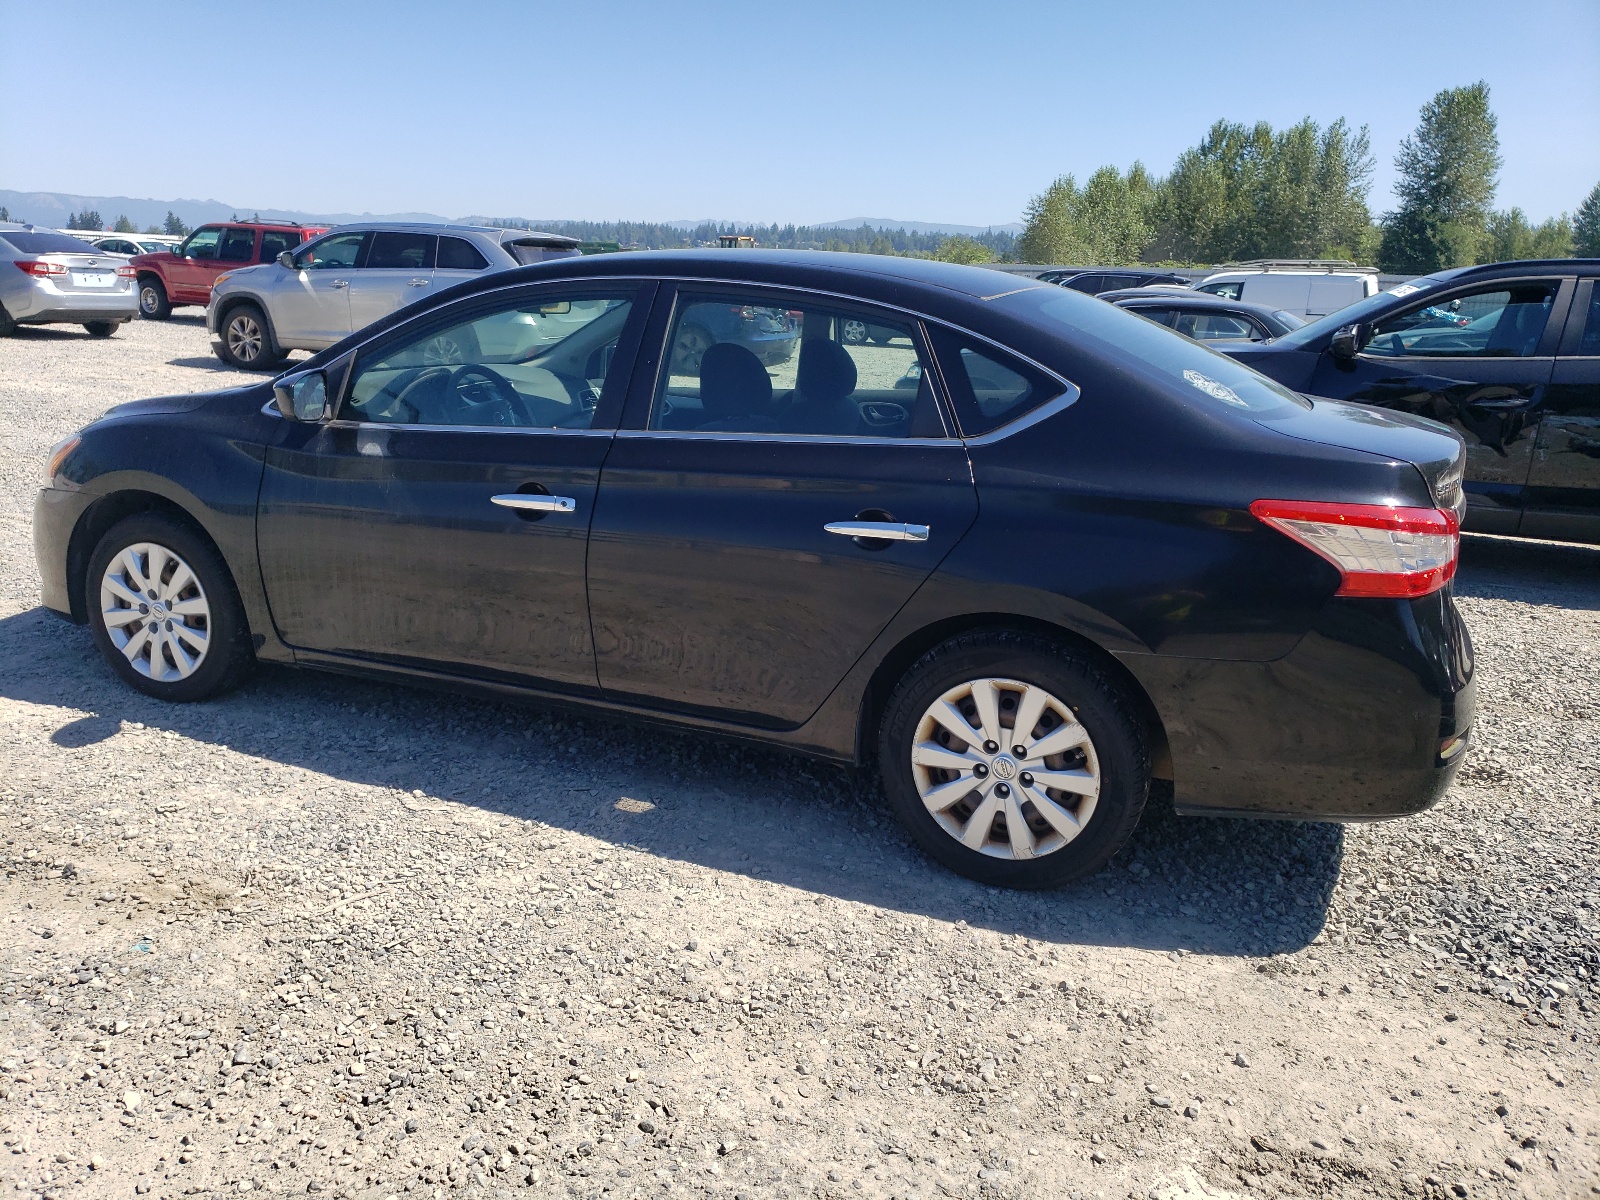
(823, 384)
(735, 391)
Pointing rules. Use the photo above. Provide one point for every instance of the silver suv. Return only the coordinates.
(351, 276)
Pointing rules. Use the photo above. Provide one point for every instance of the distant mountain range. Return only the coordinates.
(56, 208)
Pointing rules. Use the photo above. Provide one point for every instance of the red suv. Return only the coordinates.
(184, 276)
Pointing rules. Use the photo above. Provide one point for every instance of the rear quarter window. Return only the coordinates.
(457, 254)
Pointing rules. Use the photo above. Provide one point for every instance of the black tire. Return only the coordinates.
(1119, 743)
(7, 325)
(153, 302)
(247, 339)
(101, 329)
(228, 654)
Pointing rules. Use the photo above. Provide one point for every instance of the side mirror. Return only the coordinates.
(286, 259)
(1349, 341)
(302, 397)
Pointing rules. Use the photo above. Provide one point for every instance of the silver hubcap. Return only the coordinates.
(155, 612)
(1005, 768)
(855, 331)
(441, 351)
(244, 338)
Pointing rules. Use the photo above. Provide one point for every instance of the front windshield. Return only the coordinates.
(1198, 369)
(1368, 309)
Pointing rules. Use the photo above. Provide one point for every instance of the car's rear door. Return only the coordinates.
(1563, 497)
(1478, 359)
(741, 558)
(439, 523)
(397, 271)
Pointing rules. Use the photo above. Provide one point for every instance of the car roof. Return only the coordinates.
(1129, 297)
(499, 233)
(1521, 266)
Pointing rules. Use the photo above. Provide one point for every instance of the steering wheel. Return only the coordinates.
(400, 409)
(489, 394)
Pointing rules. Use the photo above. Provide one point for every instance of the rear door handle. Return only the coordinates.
(416, 283)
(533, 503)
(338, 283)
(889, 531)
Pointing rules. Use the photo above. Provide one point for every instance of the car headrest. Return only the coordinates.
(733, 383)
(827, 372)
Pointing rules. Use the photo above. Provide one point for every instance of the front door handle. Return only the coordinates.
(526, 502)
(889, 531)
(416, 283)
(338, 283)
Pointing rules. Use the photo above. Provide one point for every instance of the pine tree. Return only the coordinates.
(1448, 174)
(1586, 226)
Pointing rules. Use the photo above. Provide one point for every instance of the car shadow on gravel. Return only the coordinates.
(1203, 885)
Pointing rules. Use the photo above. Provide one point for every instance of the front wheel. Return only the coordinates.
(246, 344)
(153, 302)
(164, 611)
(101, 329)
(1014, 760)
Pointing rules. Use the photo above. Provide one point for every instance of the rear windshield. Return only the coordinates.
(1203, 373)
(532, 252)
(46, 243)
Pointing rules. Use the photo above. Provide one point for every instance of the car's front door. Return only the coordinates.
(1563, 499)
(779, 496)
(311, 308)
(1479, 360)
(397, 271)
(188, 276)
(439, 522)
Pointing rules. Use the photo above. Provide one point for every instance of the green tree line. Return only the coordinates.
(1249, 192)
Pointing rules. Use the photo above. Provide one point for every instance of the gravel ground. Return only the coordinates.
(333, 938)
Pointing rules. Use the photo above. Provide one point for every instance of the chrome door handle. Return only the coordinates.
(532, 503)
(416, 283)
(338, 283)
(889, 531)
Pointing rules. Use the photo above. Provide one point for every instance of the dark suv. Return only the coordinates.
(168, 280)
(1507, 354)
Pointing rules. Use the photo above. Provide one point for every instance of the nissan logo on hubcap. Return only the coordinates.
(1004, 768)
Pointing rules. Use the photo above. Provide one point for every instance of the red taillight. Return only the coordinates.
(126, 273)
(1379, 550)
(37, 266)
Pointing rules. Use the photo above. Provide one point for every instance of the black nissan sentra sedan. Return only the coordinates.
(1078, 552)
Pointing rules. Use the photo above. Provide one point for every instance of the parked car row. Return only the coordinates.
(1081, 552)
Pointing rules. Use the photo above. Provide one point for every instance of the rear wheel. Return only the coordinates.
(246, 343)
(7, 325)
(1014, 760)
(853, 332)
(101, 329)
(164, 611)
(153, 302)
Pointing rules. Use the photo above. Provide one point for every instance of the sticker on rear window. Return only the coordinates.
(1217, 391)
(1403, 289)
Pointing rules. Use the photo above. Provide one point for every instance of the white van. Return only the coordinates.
(1308, 288)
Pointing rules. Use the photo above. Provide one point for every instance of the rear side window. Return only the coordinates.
(1591, 331)
(237, 245)
(1093, 284)
(401, 251)
(1215, 327)
(457, 254)
(989, 388)
(275, 241)
(1228, 291)
(46, 243)
(1161, 316)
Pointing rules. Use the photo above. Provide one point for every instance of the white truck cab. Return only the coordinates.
(1309, 288)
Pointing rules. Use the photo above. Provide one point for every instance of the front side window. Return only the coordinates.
(1505, 322)
(401, 251)
(777, 365)
(202, 243)
(542, 364)
(458, 254)
(237, 245)
(339, 252)
(275, 241)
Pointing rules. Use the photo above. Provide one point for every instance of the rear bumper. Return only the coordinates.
(1368, 717)
(42, 306)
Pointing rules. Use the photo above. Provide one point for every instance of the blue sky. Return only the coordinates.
(818, 111)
